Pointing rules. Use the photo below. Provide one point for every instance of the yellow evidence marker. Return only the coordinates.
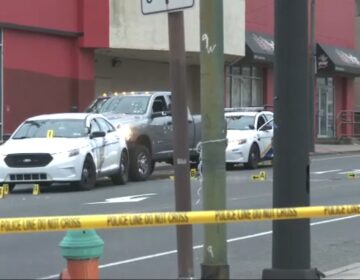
(352, 175)
(260, 177)
(193, 174)
(6, 189)
(36, 189)
(50, 133)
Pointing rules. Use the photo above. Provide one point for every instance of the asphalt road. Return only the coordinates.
(151, 252)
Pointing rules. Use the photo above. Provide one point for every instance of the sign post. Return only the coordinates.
(181, 157)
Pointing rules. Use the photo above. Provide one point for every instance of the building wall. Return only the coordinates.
(335, 25)
(41, 75)
(138, 75)
(52, 14)
(332, 27)
(141, 45)
(49, 55)
(89, 17)
(260, 16)
(130, 29)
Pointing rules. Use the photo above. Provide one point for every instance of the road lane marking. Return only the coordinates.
(356, 171)
(325, 171)
(166, 253)
(124, 199)
(339, 157)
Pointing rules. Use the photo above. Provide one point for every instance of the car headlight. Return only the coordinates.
(125, 130)
(238, 141)
(74, 153)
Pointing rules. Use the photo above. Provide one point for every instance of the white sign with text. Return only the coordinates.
(160, 6)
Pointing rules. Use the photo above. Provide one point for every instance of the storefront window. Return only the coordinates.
(326, 119)
(246, 86)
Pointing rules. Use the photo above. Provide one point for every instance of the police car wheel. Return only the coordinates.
(88, 175)
(254, 157)
(122, 175)
(230, 166)
(140, 163)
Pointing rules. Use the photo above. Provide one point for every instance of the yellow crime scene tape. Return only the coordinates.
(62, 223)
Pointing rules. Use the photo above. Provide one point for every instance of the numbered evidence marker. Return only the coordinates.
(260, 177)
(352, 175)
(50, 133)
(6, 189)
(36, 189)
(193, 174)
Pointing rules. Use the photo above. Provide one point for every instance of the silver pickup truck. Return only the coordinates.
(146, 121)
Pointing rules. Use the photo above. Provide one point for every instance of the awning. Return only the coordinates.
(259, 47)
(335, 60)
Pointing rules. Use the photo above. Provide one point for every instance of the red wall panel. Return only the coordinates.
(259, 16)
(90, 17)
(40, 53)
(335, 20)
(96, 23)
(335, 24)
(55, 14)
(44, 74)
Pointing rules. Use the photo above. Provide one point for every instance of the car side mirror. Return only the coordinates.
(97, 134)
(266, 127)
(161, 114)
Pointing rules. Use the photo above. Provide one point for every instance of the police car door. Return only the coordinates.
(112, 149)
(264, 136)
(98, 146)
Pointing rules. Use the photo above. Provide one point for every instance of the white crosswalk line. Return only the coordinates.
(326, 171)
(356, 171)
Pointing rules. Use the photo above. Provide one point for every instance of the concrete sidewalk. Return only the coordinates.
(351, 271)
(335, 148)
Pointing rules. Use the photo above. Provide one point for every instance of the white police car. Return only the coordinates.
(249, 134)
(74, 148)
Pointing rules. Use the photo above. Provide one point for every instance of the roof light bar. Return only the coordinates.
(250, 108)
(244, 109)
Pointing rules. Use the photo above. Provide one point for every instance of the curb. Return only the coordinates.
(351, 271)
(334, 153)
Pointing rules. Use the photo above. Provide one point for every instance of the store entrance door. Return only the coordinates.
(326, 120)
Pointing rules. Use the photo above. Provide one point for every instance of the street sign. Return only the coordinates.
(160, 6)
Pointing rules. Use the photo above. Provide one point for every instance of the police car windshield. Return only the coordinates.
(240, 122)
(95, 106)
(56, 128)
(130, 104)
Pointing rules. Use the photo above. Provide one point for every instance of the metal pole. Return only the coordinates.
(215, 264)
(181, 141)
(312, 75)
(291, 187)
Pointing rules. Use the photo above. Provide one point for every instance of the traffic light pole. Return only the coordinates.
(181, 141)
(291, 183)
(215, 264)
